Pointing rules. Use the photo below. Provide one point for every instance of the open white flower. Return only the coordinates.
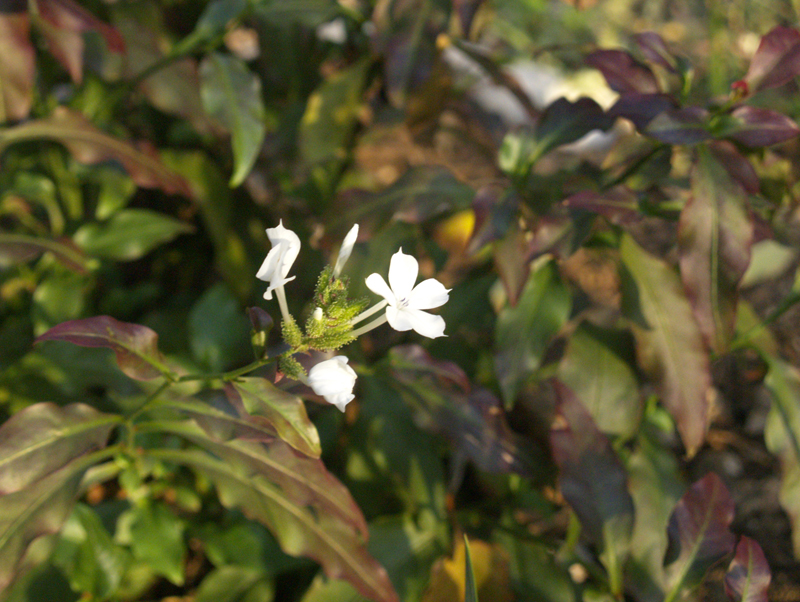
(406, 302)
(334, 380)
(276, 266)
(345, 250)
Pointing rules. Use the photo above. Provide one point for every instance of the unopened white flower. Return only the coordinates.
(345, 250)
(406, 301)
(334, 380)
(276, 266)
(317, 315)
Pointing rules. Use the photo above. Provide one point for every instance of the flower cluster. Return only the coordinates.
(334, 321)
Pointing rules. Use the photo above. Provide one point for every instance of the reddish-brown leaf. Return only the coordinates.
(619, 205)
(21, 247)
(776, 61)
(680, 126)
(135, 346)
(641, 109)
(90, 145)
(736, 164)
(748, 576)
(755, 127)
(655, 49)
(715, 235)
(17, 66)
(623, 73)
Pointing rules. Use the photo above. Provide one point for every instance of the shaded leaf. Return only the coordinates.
(755, 127)
(679, 126)
(776, 61)
(220, 421)
(22, 247)
(44, 437)
(623, 73)
(303, 525)
(135, 346)
(594, 367)
(700, 535)
(129, 234)
(218, 331)
(470, 588)
(90, 145)
(655, 49)
(512, 263)
(715, 235)
(63, 23)
(738, 167)
(156, 537)
(593, 481)
(619, 205)
(495, 212)
(261, 323)
(535, 572)
(524, 332)
(36, 511)
(231, 94)
(641, 109)
(284, 412)
(18, 66)
(671, 348)
(472, 419)
(748, 576)
(466, 9)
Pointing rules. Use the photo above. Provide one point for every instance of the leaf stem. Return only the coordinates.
(371, 326)
(367, 313)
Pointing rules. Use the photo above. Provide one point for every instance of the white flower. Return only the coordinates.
(276, 266)
(334, 380)
(407, 301)
(345, 250)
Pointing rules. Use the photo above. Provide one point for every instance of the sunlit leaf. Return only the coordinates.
(129, 234)
(135, 346)
(264, 402)
(755, 127)
(232, 94)
(90, 145)
(593, 481)
(623, 73)
(748, 576)
(44, 437)
(776, 61)
(671, 347)
(524, 332)
(17, 68)
(714, 239)
(234, 584)
(63, 23)
(700, 535)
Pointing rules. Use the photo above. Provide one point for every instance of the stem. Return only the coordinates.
(150, 399)
(366, 314)
(371, 326)
(281, 294)
(789, 301)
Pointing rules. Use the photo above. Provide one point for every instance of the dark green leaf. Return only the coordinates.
(232, 94)
(156, 537)
(44, 437)
(284, 13)
(129, 234)
(218, 330)
(670, 348)
(525, 332)
(714, 238)
(16, 248)
(470, 588)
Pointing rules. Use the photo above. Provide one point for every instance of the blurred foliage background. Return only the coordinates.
(610, 189)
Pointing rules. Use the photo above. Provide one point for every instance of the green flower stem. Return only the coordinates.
(281, 294)
(372, 325)
(366, 314)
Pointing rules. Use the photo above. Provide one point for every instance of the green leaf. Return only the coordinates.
(156, 537)
(129, 234)
(218, 330)
(671, 349)
(714, 237)
(232, 94)
(286, 413)
(331, 115)
(535, 573)
(595, 367)
(285, 13)
(234, 584)
(470, 589)
(90, 559)
(524, 332)
(44, 437)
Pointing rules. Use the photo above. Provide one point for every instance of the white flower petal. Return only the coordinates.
(377, 285)
(334, 380)
(428, 325)
(345, 250)
(428, 294)
(399, 319)
(279, 260)
(403, 270)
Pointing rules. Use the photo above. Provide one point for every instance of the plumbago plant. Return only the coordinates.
(606, 333)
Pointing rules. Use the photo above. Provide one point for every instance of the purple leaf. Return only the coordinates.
(715, 235)
(755, 127)
(641, 109)
(220, 420)
(671, 348)
(17, 67)
(466, 9)
(776, 61)
(619, 205)
(737, 166)
(44, 437)
(623, 73)
(679, 126)
(135, 346)
(653, 47)
(592, 479)
(748, 576)
(564, 122)
(263, 402)
(22, 247)
(700, 533)
(495, 212)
